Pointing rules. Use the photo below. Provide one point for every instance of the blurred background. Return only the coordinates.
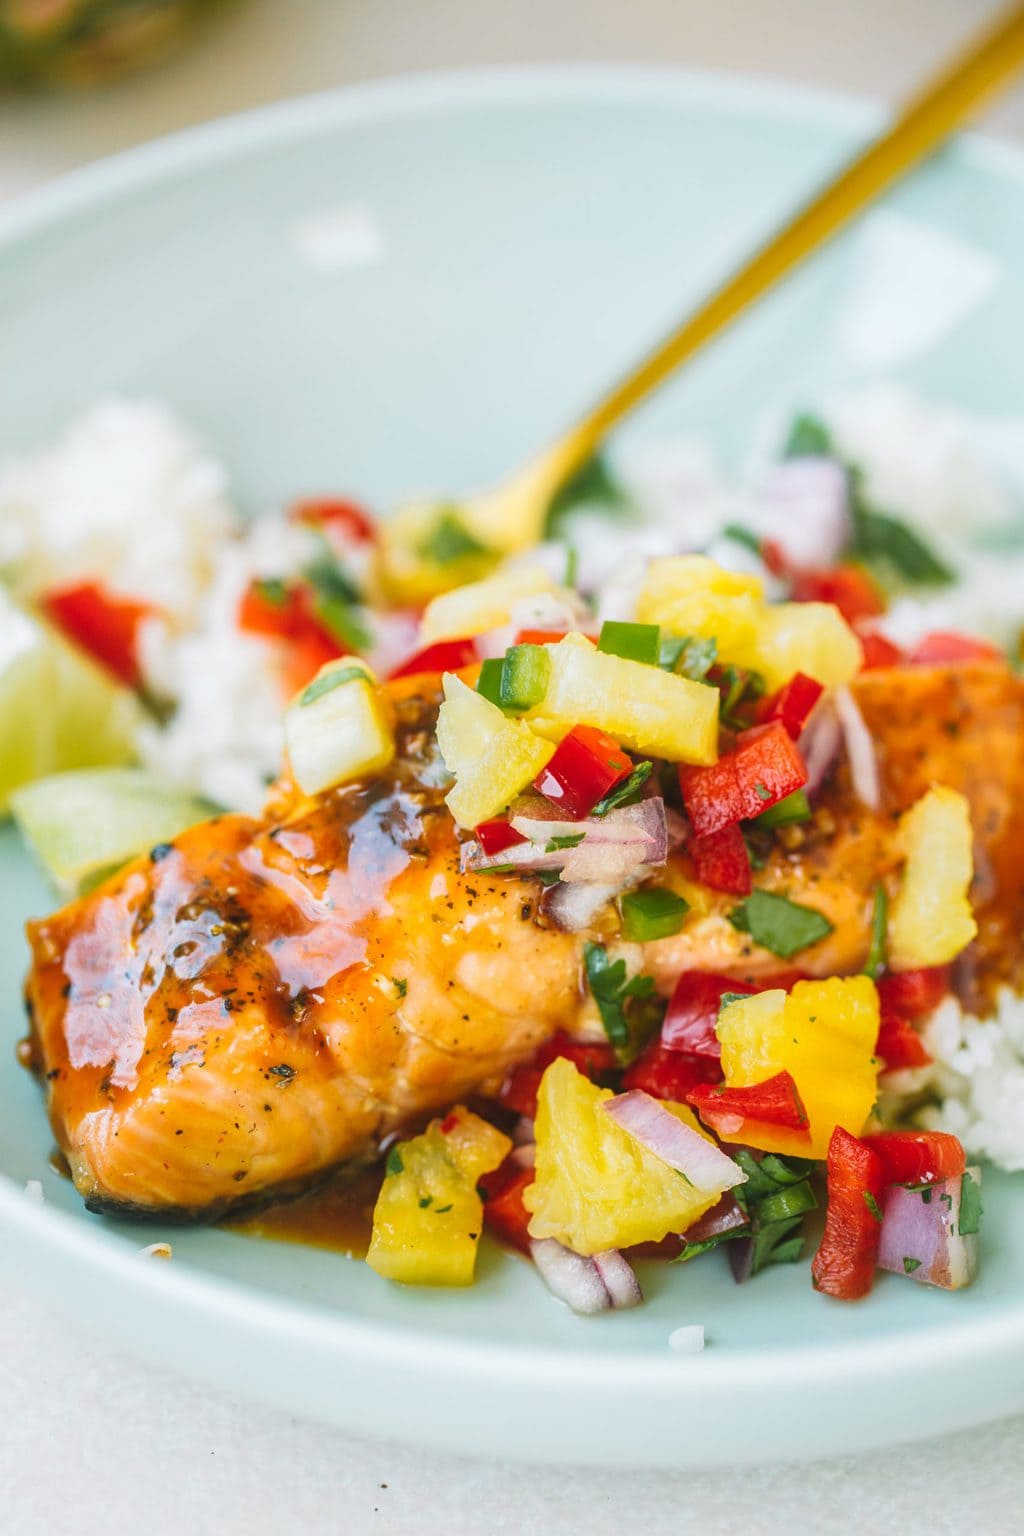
(82, 78)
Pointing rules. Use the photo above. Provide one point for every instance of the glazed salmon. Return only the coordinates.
(257, 1003)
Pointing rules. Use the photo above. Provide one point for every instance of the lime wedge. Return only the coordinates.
(82, 826)
(57, 710)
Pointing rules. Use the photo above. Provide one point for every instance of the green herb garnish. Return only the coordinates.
(809, 438)
(745, 536)
(872, 1205)
(776, 1198)
(400, 985)
(881, 539)
(738, 685)
(909, 1265)
(793, 809)
(690, 656)
(625, 793)
(728, 998)
(334, 598)
(273, 591)
(629, 1009)
(326, 682)
(652, 914)
(875, 964)
(779, 925)
(450, 540)
(591, 486)
(572, 563)
(393, 1163)
(566, 840)
(971, 1209)
(633, 642)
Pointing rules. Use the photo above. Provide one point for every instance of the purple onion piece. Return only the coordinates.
(572, 908)
(741, 1258)
(727, 1216)
(804, 506)
(819, 745)
(587, 1285)
(610, 848)
(860, 750)
(701, 1162)
(921, 1234)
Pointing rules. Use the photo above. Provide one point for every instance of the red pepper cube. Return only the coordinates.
(591, 1057)
(584, 767)
(878, 651)
(670, 1074)
(793, 704)
(504, 1212)
(763, 768)
(844, 1265)
(346, 517)
(100, 623)
(721, 860)
(942, 647)
(444, 656)
(847, 587)
(693, 1011)
(914, 993)
(774, 1102)
(918, 1157)
(899, 1045)
(497, 835)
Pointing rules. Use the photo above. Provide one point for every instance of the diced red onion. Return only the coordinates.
(921, 1238)
(701, 1162)
(741, 1258)
(611, 848)
(524, 1156)
(523, 1132)
(493, 643)
(819, 745)
(572, 908)
(727, 1216)
(860, 749)
(803, 506)
(598, 1284)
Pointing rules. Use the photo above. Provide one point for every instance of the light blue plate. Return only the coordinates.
(411, 285)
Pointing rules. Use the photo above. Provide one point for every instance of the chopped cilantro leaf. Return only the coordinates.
(272, 590)
(393, 1163)
(424, 1201)
(879, 538)
(326, 682)
(626, 792)
(909, 1265)
(400, 985)
(781, 926)
(762, 791)
(745, 536)
(808, 438)
(872, 1205)
(450, 540)
(690, 656)
(568, 840)
(441, 1210)
(875, 963)
(728, 998)
(630, 1011)
(591, 486)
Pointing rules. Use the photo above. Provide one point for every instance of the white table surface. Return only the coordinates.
(90, 1440)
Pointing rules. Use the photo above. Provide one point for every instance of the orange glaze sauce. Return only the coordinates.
(338, 1216)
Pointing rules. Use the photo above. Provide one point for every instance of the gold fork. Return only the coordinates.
(429, 547)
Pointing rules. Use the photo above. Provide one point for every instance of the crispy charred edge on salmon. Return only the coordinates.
(229, 1208)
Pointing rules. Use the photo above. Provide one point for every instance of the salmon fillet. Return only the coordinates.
(247, 1008)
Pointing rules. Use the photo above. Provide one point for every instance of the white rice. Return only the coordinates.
(978, 1078)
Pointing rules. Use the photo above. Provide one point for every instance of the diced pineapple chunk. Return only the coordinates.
(931, 919)
(823, 1033)
(690, 595)
(491, 756)
(428, 1216)
(482, 605)
(339, 727)
(596, 1187)
(644, 708)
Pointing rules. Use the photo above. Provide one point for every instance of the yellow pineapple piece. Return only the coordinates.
(931, 919)
(812, 638)
(482, 605)
(338, 728)
(596, 1187)
(491, 756)
(428, 1216)
(646, 709)
(823, 1033)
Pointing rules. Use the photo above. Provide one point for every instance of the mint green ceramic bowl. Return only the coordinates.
(410, 285)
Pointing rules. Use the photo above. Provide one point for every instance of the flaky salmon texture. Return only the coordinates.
(258, 1003)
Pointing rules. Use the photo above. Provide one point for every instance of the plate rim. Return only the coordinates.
(61, 1237)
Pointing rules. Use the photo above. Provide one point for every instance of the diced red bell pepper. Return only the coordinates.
(693, 1011)
(773, 1102)
(104, 625)
(591, 1057)
(304, 655)
(584, 767)
(848, 587)
(346, 517)
(879, 652)
(918, 1157)
(444, 656)
(899, 1044)
(267, 608)
(504, 1212)
(497, 835)
(668, 1074)
(942, 647)
(764, 767)
(792, 704)
(844, 1265)
(914, 993)
(721, 860)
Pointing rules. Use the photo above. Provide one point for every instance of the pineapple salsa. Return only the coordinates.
(745, 809)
